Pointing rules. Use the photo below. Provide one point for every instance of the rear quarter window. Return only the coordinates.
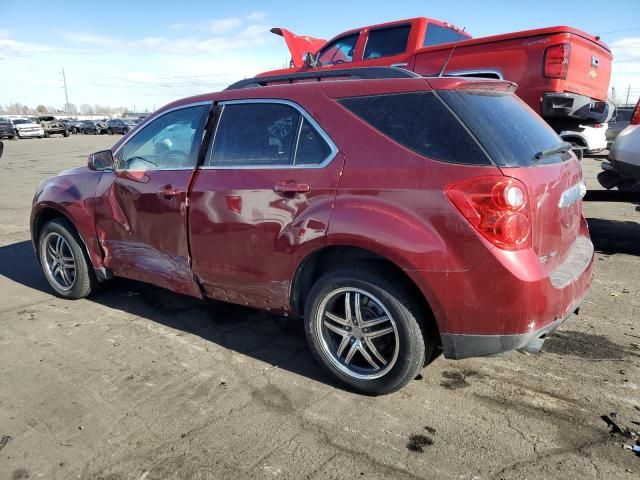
(420, 122)
(437, 35)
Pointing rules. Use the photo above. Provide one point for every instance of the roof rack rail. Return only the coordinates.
(363, 73)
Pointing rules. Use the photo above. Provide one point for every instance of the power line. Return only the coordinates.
(618, 31)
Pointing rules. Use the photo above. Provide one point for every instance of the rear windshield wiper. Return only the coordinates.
(564, 147)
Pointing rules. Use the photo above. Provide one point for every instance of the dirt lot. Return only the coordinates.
(140, 383)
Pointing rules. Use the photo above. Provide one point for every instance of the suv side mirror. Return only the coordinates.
(310, 60)
(100, 161)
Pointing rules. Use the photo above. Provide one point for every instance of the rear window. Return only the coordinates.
(420, 122)
(505, 126)
(386, 42)
(436, 35)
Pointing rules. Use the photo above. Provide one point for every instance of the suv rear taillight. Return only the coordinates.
(556, 60)
(635, 117)
(497, 207)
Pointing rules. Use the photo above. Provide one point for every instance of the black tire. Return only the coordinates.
(125, 131)
(85, 282)
(46, 134)
(413, 347)
(65, 133)
(110, 131)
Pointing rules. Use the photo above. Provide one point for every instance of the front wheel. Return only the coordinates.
(64, 261)
(65, 133)
(366, 330)
(110, 131)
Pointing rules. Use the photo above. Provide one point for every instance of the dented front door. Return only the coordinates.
(141, 207)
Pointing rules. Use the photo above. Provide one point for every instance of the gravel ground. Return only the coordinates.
(138, 382)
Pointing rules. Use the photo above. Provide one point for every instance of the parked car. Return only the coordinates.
(52, 126)
(7, 130)
(393, 220)
(586, 139)
(74, 126)
(1, 148)
(562, 73)
(26, 127)
(618, 122)
(89, 126)
(623, 169)
(117, 125)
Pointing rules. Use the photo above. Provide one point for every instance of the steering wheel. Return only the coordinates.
(146, 160)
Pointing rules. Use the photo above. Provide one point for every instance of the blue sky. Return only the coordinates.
(145, 54)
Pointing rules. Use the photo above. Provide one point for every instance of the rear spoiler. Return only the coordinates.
(298, 45)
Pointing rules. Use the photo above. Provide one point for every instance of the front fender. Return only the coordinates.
(70, 194)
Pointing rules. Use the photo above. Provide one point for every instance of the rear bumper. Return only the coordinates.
(574, 106)
(507, 300)
(459, 346)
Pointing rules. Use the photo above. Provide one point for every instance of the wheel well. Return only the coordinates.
(574, 139)
(43, 217)
(322, 261)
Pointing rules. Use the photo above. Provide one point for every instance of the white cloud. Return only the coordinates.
(257, 16)
(84, 39)
(10, 47)
(223, 25)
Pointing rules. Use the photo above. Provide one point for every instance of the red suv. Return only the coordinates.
(397, 216)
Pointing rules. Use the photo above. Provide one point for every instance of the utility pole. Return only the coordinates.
(66, 95)
(626, 103)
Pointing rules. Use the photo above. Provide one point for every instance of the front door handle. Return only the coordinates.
(291, 186)
(169, 192)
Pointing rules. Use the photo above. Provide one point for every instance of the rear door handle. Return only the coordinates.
(169, 192)
(291, 186)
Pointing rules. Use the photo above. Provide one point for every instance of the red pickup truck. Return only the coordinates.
(561, 72)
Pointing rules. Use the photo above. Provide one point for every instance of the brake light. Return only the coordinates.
(556, 60)
(497, 207)
(635, 118)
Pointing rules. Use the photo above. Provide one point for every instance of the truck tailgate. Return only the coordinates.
(589, 68)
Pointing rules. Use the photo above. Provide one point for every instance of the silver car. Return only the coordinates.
(623, 168)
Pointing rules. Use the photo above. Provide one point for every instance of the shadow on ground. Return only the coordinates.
(272, 339)
(615, 236)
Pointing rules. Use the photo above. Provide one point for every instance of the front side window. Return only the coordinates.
(166, 142)
(386, 42)
(339, 51)
(437, 35)
(265, 135)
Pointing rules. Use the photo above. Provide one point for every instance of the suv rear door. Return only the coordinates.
(261, 201)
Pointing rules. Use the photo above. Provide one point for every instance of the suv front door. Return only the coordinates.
(141, 206)
(261, 202)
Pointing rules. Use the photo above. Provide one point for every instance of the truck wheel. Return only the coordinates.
(65, 133)
(64, 261)
(365, 330)
(46, 134)
(110, 131)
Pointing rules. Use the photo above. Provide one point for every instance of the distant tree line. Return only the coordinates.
(84, 109)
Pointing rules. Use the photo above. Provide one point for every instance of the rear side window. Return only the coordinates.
(266, 135)
(386, 42)
(420, 122)
(506, 127)
(436, 35)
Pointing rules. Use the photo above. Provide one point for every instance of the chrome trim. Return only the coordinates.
(464, 73)
(572, 194)
(302, 111)
(147, 121)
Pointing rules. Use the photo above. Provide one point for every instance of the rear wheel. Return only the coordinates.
(365, 329)
(110, 131)
(46, 134)
(64, 261)
(65, 133)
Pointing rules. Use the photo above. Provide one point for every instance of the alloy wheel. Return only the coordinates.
(59, 261)
(357, 333)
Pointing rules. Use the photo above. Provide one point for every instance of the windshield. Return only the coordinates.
(505, 126)
(21, 121)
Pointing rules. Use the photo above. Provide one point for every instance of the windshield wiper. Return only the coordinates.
(564, 147)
